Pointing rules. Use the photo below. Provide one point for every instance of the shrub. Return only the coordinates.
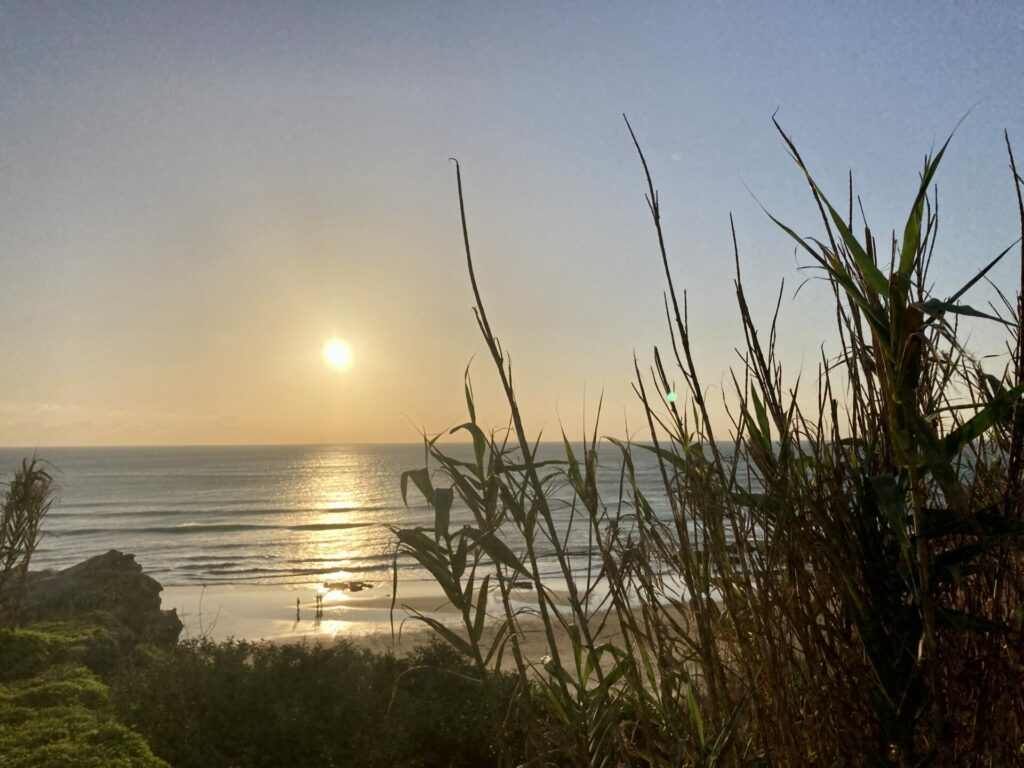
(258, 704)
(57, 714)
(25, 653)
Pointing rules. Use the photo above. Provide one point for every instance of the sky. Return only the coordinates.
(195, 197)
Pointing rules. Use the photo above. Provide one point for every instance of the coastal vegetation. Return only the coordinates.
(94, 676)
(69, 698)
(27, 500)
(54, 710)
(204, 704)
(853, 598)
(833, 579)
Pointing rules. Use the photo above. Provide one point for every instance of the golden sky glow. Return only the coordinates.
(195, 195)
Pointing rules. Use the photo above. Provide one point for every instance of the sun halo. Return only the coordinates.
(337, 354)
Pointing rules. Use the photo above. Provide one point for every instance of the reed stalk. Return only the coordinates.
(824, 586)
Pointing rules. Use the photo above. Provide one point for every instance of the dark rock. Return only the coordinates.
(111, 587)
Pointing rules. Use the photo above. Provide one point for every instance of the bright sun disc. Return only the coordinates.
(338, 353)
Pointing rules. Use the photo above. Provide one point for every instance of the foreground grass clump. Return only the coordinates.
(245, 704)
(835, 577)
(55, 712)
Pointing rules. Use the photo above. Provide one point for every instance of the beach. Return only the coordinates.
(362, 617)
(288, 613)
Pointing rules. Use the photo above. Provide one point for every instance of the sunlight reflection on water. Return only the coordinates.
(253, 514)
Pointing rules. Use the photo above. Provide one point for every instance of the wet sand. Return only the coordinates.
(363, 617)
(289, 612)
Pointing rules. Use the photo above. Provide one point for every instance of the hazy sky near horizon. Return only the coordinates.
(195, 197)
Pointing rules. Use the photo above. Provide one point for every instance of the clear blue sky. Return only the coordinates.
(194, 197)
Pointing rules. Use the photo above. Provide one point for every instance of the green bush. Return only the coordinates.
(238, 704)
(60, 716)
(60, 686)
(256, 704)
(29, 651)
(24, 653)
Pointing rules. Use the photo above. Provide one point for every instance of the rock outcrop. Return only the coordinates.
(111, 588)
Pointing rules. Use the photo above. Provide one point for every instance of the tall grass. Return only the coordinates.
(28, 499)
(853, 598)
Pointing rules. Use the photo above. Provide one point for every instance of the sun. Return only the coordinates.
(337, 354)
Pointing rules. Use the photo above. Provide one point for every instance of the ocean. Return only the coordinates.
(253, 515)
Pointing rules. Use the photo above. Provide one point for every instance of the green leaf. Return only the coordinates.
(912, 230)
(912, 236)
(421, 477)
(501, 637)
(508, 468)
(443, 578)
(469, 396)
(760, 435)
(865, 266)
(492, 492)
(453, 639)
(588, 666)
(498, 550)
(998, 409)
(648, 667)
(695, 718)
(459, 557)
(429, 554)
(442, 511)
(671, 457)
(573, 470)
(618, 669)
(938, 307)
(467, 490)
(417, 540)
(479, 442)
(762, 417)
(981, 273)
(728, 730)
(481, 609)
(554, 697)
(875, 316)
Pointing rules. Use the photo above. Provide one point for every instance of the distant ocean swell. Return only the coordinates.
(251, 515)
(207, 528)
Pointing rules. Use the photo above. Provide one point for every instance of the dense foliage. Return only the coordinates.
(244, 704)
(55, 712)
(840, 577)
(241, 704)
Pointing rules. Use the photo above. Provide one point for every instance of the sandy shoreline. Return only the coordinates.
(268, 612)
(288, 612)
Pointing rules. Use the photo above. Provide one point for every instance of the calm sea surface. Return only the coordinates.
(249, 515)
